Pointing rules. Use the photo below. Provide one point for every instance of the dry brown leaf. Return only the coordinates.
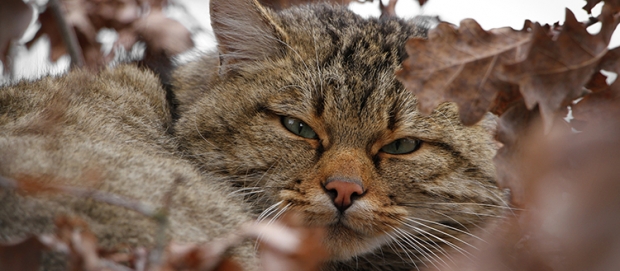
(15, 17)
(479, 69)
(162, 34)
(116, 14)
(81, 241)
(388, 10)
(597, 83)
(459, 65)
(604, 102)
(554, 70)
(590, 4)
(290, 246)
(569, 216)
(21, 256)
(512, 128)
(134, 20)
(76, 16)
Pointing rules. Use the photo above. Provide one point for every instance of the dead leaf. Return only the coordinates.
(81, 240)
(388, 10)
(554, 71)
(604, 101)
(512, 128)
(590, 4)
(21, 256)
(459, 65)
(568, 214)
(15, 17)
(162, 34)
(290, 246)
(597, 83)
(116, 14)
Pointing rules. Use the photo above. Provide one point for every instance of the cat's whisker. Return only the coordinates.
(446, 226)
(418, 246)
(267, 212)
(397, 242)
(450, 244)
(460, 223)
(452, 219)
(278, 214)
(440, 231)
(477, 214)
(460, 203)
(433, 245)
(272, 220)
(501, 198)
(261, 198)
(251, 191)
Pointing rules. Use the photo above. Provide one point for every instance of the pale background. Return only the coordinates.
(489, 13)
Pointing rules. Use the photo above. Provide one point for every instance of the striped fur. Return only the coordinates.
(335, 71)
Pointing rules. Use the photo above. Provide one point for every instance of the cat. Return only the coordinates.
(296, 111)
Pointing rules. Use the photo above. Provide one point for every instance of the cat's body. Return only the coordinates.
(298, 111)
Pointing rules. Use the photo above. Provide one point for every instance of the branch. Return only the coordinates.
(68, 35)
(85, 193)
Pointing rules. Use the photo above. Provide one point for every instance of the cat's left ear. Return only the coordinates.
(245, 31)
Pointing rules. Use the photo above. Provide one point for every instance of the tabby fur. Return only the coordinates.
(323, 65)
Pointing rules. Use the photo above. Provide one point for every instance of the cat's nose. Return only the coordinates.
(343, 192)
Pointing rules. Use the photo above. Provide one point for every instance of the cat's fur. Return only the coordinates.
(323, 65)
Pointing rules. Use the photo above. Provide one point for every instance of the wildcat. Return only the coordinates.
(297, 111)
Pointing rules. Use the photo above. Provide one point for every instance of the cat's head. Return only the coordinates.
(302, 112)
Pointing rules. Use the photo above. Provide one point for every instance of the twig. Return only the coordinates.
(161, 238)
(96, 195)
(68, 35)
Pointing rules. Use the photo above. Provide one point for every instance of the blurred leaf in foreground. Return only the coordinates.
(15, 17)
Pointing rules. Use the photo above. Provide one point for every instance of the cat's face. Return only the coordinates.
(316, 123)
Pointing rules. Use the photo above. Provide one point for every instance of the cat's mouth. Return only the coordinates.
(344, 241)
(353, 232)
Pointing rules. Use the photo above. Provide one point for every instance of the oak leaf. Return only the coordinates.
(604, 101)
(460, 65)
(554, 70)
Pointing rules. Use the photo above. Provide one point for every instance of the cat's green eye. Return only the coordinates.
(401, 146)
(298, 127)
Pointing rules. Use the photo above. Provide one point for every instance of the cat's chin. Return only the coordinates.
(344, 243)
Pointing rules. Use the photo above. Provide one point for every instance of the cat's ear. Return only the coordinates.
(245, 31)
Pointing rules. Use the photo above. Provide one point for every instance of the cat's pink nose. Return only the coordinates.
(343, 192)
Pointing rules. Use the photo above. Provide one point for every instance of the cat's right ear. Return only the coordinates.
(245, 31)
